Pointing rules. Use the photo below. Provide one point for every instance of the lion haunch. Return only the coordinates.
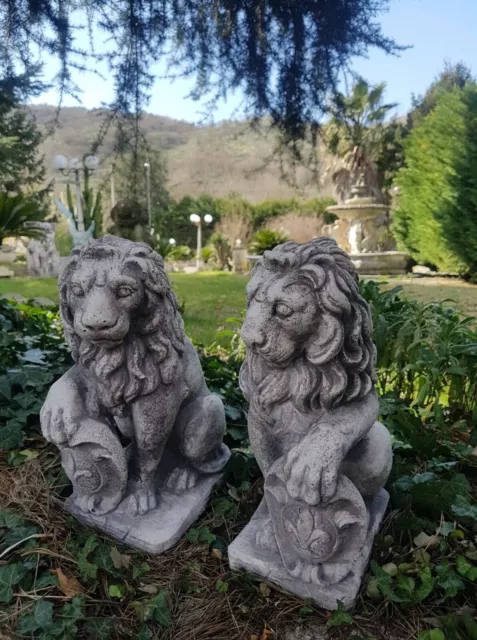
(136, 378)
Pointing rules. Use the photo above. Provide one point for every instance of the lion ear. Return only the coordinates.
(327, 342)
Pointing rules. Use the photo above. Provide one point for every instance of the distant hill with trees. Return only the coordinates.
(218, 159)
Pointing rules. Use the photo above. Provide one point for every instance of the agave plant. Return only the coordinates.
(18, 216)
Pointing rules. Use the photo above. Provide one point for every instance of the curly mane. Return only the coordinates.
(342, 369)
(150, 352)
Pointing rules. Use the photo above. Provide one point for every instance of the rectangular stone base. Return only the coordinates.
(161, 528)
(267, 564)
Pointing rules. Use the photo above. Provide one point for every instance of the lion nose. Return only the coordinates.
(96, 323)
(252, 336)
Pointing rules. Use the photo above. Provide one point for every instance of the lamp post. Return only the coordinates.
(148, 193)
(65, 167)
(197, 220)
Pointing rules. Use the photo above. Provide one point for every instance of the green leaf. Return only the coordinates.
(339, 617)
(43, 613)
(405, 587)
(11, 437)
(138, 571)
(162, 614)
(438, 497)
(87, 569)
(16, 535)
(432, 634)
(117, 590)
(463, 509)
(426, 587)
(99, 628)
(10, 520)
(465, 568)
(5, 388)
(448, 580)
(10, 575)
(144, 633)
(222, 586)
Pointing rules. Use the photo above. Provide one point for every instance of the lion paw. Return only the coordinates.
(142, 501)
(182, 478)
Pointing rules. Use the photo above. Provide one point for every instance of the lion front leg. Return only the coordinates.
(153, 417)
(199, 432)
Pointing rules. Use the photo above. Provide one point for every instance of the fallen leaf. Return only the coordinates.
(423, 540)
(254, 637)
(148, 588)
(217, 553)
(264, 589)
(267, 633)
(69, 586)
(119, 560)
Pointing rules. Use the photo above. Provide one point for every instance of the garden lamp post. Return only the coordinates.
(148, 193)
(65, 167)
(197, 220)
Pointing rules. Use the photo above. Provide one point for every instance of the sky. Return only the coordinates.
(437, 30)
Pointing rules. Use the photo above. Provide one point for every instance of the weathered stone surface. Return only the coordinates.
(268, 564)
(43, 260)
(5, 272)
(309, 378)
(137, 381)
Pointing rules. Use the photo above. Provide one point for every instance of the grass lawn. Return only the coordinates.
(209, 298)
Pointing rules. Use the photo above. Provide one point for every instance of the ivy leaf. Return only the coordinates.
(339, 617)
(426, 587)
(162, 614)
(10, 576)
(5, 387)
(117, 590)
(35, 356)
(11, 437)
(16, 535)
(405, 587)
(432, 634)
(448, 580)
(465, 568)
(87, 569)
(10, 520)
(100, 628)
(43, 613)
(463, 509)
(435, 498)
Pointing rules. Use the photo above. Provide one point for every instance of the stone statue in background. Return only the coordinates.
(140, 435)
(43, 260)
(309, 377)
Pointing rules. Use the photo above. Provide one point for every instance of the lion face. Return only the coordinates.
(282, 315)
(103, 297)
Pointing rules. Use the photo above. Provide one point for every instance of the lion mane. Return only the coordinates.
(150, 352)
(343, 368)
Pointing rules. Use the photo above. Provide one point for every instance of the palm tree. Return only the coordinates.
(355, 136)
(18, 216)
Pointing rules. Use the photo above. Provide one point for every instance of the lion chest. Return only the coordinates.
(288, 426)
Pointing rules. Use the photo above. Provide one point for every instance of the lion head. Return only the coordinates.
(307, 329)
(121, 317)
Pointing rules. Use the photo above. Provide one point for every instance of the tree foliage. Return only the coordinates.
(285, 56)
(437, 197)
(21, 167)
(358, 136)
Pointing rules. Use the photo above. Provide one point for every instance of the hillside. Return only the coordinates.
(216, 159)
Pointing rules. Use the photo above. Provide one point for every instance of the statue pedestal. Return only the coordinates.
(162, 527)
(267, 563)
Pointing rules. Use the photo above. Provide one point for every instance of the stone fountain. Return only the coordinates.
(361, 230)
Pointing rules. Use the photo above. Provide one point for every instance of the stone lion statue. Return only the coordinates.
(136, 381)
(309, 378)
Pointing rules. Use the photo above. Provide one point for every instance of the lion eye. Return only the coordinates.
(124, 292)
(77, 290)
(283, 310)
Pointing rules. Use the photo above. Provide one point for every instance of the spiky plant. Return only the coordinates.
(18, 216)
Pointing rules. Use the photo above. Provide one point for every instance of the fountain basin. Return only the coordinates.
(384, 263)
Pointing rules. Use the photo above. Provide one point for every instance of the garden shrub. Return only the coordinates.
(436, 206)
(266, 240)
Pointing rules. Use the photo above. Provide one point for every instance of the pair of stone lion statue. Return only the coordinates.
(136, 403)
